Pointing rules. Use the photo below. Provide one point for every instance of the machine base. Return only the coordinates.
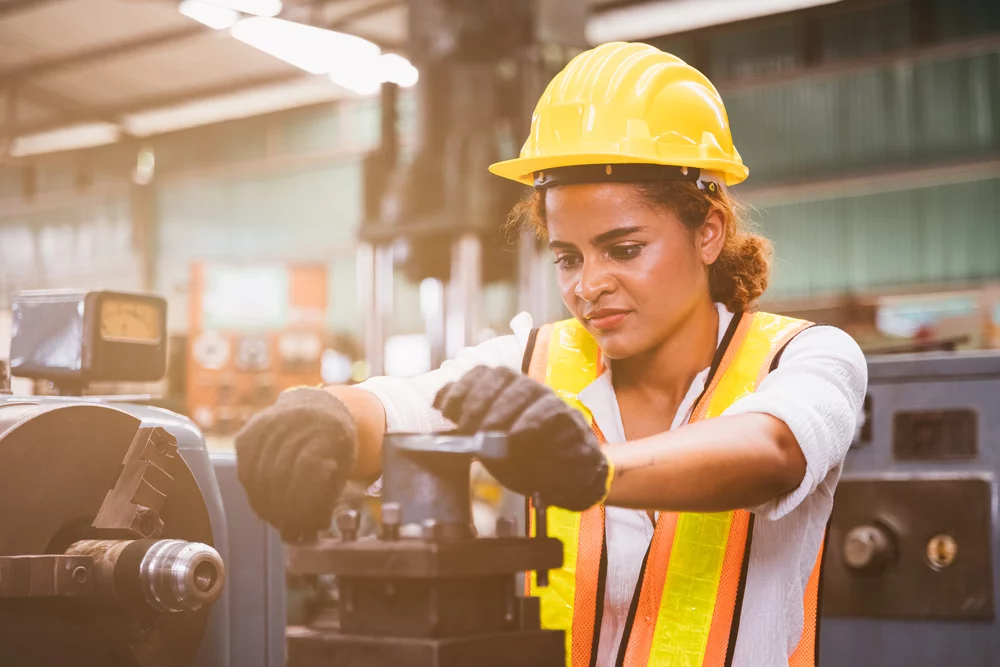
(534, 648)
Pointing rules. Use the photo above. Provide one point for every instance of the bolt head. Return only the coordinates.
(506, 527)
(430, 529)
(81, 574)
(347, 522)
(391, 514)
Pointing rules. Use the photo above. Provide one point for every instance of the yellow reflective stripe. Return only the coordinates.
(572, 365)
(573, 356)
(689, 590)
(691, 585)
(766, 330)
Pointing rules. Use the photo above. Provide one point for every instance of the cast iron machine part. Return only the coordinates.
(105, 541)
(428, 592)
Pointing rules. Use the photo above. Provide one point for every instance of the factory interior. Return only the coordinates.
(209, 206)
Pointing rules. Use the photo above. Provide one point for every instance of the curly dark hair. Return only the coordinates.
(742, 271)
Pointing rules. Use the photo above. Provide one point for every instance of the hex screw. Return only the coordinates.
(347, 525)
(391, 516)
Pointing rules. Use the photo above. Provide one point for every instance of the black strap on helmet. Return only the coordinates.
(615, 173)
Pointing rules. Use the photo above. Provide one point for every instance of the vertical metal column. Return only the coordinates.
(432, 309)
(464, 291)
(375, 277)
(532, 280)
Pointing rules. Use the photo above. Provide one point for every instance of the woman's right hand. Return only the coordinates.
(294, 458)
(551, 448)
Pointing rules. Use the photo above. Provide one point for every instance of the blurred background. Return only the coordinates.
(304, 182)
(311, 215)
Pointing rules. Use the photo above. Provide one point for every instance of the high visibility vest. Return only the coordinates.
(686, 608)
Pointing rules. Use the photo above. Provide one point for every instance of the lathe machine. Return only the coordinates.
(122, 542)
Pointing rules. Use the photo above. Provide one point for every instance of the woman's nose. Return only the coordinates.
(594, 281)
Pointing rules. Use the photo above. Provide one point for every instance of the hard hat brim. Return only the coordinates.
(522, 170)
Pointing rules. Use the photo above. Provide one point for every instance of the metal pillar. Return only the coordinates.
(532, 279)
(375, 282)
(464, 290)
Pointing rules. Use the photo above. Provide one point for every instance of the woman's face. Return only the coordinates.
(630, 272)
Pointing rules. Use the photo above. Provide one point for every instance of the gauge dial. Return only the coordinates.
(130, 320)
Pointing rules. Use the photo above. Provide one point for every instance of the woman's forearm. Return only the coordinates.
(369, 420)
(711, 466)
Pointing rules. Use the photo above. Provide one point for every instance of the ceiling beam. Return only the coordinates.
(14, 76)
(12, 7)
(115, 114)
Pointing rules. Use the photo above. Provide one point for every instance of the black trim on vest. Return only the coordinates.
(734, 629)
(602, 577)
(819, 593)
(777, 356)
(720, 353)
(529, 351)
(623, 646)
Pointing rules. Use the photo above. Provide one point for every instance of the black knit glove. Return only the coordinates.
(551, 448)
(294, 459)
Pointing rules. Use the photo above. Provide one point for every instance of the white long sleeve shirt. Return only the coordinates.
(817, 390)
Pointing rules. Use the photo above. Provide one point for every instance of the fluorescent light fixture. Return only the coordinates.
(245, 104)
(367, 76)
(69, 138)
(653, 19)
(396, 69)
(214, 16)
(315, 50)
(254, 7)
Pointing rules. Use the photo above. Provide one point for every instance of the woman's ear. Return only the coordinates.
(712, 237)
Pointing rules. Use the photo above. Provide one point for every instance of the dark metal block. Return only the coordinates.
(539, 648)
(417, 558)
(427, 607)
(932, 555)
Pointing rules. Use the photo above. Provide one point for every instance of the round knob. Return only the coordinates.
(867, 548)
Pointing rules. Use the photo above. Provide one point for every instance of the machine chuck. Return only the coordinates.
(166, 575)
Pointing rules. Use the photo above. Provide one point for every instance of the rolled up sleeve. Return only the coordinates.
(409, 402)
(818, 390)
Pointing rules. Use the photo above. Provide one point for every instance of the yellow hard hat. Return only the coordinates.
(627, 104)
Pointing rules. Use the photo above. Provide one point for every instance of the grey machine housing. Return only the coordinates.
(246, 626)
(911, 563)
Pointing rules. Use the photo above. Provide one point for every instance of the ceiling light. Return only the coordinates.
(214, 16)
(666, 17)
(255, 7)
(367, 76)
(313, 49)
(398, 70)
(70, 138)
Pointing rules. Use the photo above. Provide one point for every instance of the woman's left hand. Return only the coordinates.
(551, 448)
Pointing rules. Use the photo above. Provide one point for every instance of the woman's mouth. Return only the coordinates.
(605, 320)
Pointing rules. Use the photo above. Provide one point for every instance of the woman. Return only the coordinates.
(690, 446)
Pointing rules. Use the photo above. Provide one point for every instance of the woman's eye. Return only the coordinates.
(567, 261)
(623, 252)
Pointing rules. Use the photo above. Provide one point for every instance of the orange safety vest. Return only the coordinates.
(686, 609)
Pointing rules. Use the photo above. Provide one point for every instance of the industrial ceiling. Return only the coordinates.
(117, 68)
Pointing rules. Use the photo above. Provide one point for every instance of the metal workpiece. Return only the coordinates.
(427, 477)
(427, 592)
(181, 576)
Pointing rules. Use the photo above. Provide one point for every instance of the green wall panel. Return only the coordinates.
(924, 112)
(942, 234)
